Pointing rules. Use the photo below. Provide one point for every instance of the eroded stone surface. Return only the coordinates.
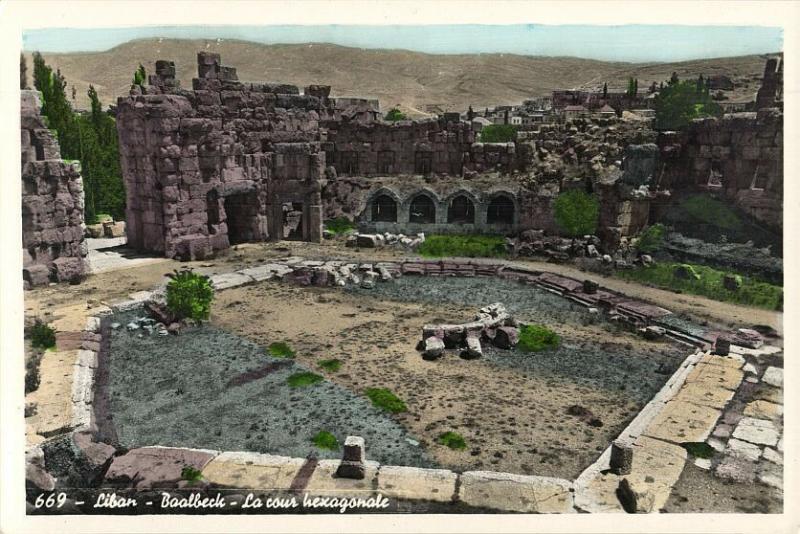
(155, 467)
(519, 493)
(416, 483)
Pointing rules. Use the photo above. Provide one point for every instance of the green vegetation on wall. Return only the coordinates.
(395, 115)
(652, 238)
(708, 282)
(499, 133)
(576, 212)
(340, 225)
(468, 246)
(703, 209)
(89, 137)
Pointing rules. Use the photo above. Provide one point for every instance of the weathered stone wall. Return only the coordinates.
(738, 156)
(230, 161)
(220, 164)
(53, 248)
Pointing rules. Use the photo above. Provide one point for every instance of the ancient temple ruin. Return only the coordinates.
(231, 161)
(227, 162)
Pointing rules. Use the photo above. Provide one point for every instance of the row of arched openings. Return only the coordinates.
(461, 210)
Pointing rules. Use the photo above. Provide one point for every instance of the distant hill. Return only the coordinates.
(410, 80)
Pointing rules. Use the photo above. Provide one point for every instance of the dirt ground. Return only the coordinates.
(510, 408)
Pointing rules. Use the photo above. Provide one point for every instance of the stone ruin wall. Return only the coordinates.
(220, 163)
(215, 165)
(738, 157)
(53, 246)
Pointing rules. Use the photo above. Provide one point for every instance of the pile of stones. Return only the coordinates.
(387, 239)
(105, 227)
(144, 326)
(493, 324)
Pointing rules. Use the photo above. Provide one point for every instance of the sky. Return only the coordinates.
(630, 43)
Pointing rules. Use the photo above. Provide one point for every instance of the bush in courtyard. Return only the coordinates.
(331, 365)
(680, 102)
(703, 209)
(499, 133)
(280, 349)
(340, 225)
(42, 336)
(385, 400)
(452, 440)
(576, 212)
(189, 295)
(652, 238)
(468, 246)
(303, 379)
(325, 440)
(535, 338)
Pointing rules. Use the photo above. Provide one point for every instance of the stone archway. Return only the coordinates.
(384, 209)
(500, 210)
(461, 210)
(422, 210)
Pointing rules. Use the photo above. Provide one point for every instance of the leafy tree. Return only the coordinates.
(395, 115)
(673, 79)
(499, 133)
(679, 103)
(631, 88)
(605, 90)
(90, 138)
(576, 212)
(140, 75)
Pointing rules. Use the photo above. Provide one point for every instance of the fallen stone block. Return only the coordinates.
(506, 337)
(758, 431)
(433, 347)
(635, 497)
(473, 348)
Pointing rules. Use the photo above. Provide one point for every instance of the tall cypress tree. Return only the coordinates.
(23, 72)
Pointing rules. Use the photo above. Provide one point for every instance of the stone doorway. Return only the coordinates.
(292, 221)
(241, 212)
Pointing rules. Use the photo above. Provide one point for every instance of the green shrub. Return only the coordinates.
(535, 338)
(469, 246)
(42, 336)
(386, 400)
(326, 440)
(303, 379)
(189, 295)
(395, 115)
(340, 225)
(452, 440)
(684, 271)
(576, 212)
(280, 349)
(652, 238)
(331, 366)
(499, 133)
(191, 474)
(708, 282)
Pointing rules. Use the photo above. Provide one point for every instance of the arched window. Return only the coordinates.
(422, 210)
(384, 209)
(501, 210)
(461, 210)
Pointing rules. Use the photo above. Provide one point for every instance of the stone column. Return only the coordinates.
(353, 459)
